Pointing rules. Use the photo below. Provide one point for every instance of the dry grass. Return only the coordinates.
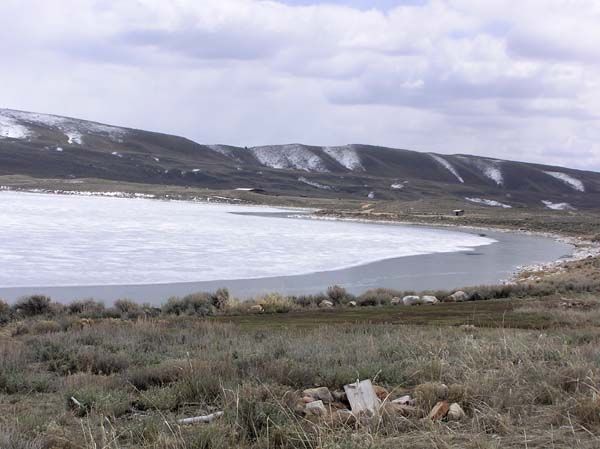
(519, 388)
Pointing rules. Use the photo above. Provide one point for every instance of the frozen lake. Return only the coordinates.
(74, 246)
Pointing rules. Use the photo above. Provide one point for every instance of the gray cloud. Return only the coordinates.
(446, 76)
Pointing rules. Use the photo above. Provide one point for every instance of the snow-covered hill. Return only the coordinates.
(50, 146)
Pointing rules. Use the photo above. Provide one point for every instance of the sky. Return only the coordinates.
(508, 79)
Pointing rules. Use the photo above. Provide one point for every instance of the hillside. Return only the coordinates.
(47, 146)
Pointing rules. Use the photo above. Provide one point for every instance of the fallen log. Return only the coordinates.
(200, 419)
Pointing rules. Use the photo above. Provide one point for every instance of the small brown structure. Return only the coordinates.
(458, 212)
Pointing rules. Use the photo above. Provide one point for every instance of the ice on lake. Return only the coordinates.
(60, 240)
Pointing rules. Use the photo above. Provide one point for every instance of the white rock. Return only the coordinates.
(427, 299)
(458, 296)
(396, 301)
(325, 304)
(352, 304)
(455, 413)
(412, 300)
(316, 407)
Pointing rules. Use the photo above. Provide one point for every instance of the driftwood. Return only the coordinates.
(200, 419)
(76, 402)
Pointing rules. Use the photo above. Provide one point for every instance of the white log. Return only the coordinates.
(76, 402)
(201, 419)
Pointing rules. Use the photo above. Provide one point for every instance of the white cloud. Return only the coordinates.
(443, 76)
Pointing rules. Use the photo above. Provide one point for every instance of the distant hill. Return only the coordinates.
(48, 146)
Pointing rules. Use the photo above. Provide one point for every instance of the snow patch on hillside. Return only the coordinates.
(557, 206)
(221, 149)
(346, 156)
(10, 128)
(295, 157)
(316, 184)
(488, 167)
(448, 166)
(492, 203)
(397, 186)
(73, 129)
(572, 182)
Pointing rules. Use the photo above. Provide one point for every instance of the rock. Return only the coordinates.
(352, 304)
(325, 304)
(340, 396)
(320, 393)
(381, 392)
(429, 299)
(458, 296)
(404, 400)
(257, 309)
(391, 408)
(455, 412)
(411, 300)
(343, 417)
(439, 411)
(396, 301)
(307, 399)
(468, 327)
(316, 408)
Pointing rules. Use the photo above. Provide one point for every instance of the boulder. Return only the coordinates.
(455, 412)
(325, 304)
(458, 296)
(340, 396)
(429, 299)
(352, 304)
(316, 408)
(257, 308)
(439, 411)
(381, 392)
(320, 393)
(411, 300)
(396, 301)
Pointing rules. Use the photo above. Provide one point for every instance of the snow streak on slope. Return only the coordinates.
(293, 156)
(346, 156)
(572, 182)
(10, 128)
(222, 149)
(558, 206)
(492, 203)
(73, 129)
(316, 184)
(489, 168)
(448, 166)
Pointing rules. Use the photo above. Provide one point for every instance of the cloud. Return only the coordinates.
(435, 75)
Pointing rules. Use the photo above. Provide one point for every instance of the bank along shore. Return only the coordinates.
(583, 248)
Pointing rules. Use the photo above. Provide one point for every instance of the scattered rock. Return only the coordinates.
(411, 300)
(429, 299)
(325, 304)
(340, 396)
(439, 411)
(316, 408)
(381, 392)
(257, 309)
(320, 393)
(468, 327)
(396, 301)
(404, 400)
(352, 304)
(458, 296)
(391, 408)
(455, 412)
(307, 399)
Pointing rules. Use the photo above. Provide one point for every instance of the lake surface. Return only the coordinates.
(73, 247)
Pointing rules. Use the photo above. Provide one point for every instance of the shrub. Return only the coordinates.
(100, 362)
(145, 377)
(195, 304)
(87, 308)
(127, 307)
(33, 305)
(308, 300)
(338, 295)
(378, 297)
(5, 314)
(220, 299)
(114, 402)
(275, 303)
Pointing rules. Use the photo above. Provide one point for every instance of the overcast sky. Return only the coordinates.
(513, 79)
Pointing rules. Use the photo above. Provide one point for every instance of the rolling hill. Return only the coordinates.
(48, 146)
